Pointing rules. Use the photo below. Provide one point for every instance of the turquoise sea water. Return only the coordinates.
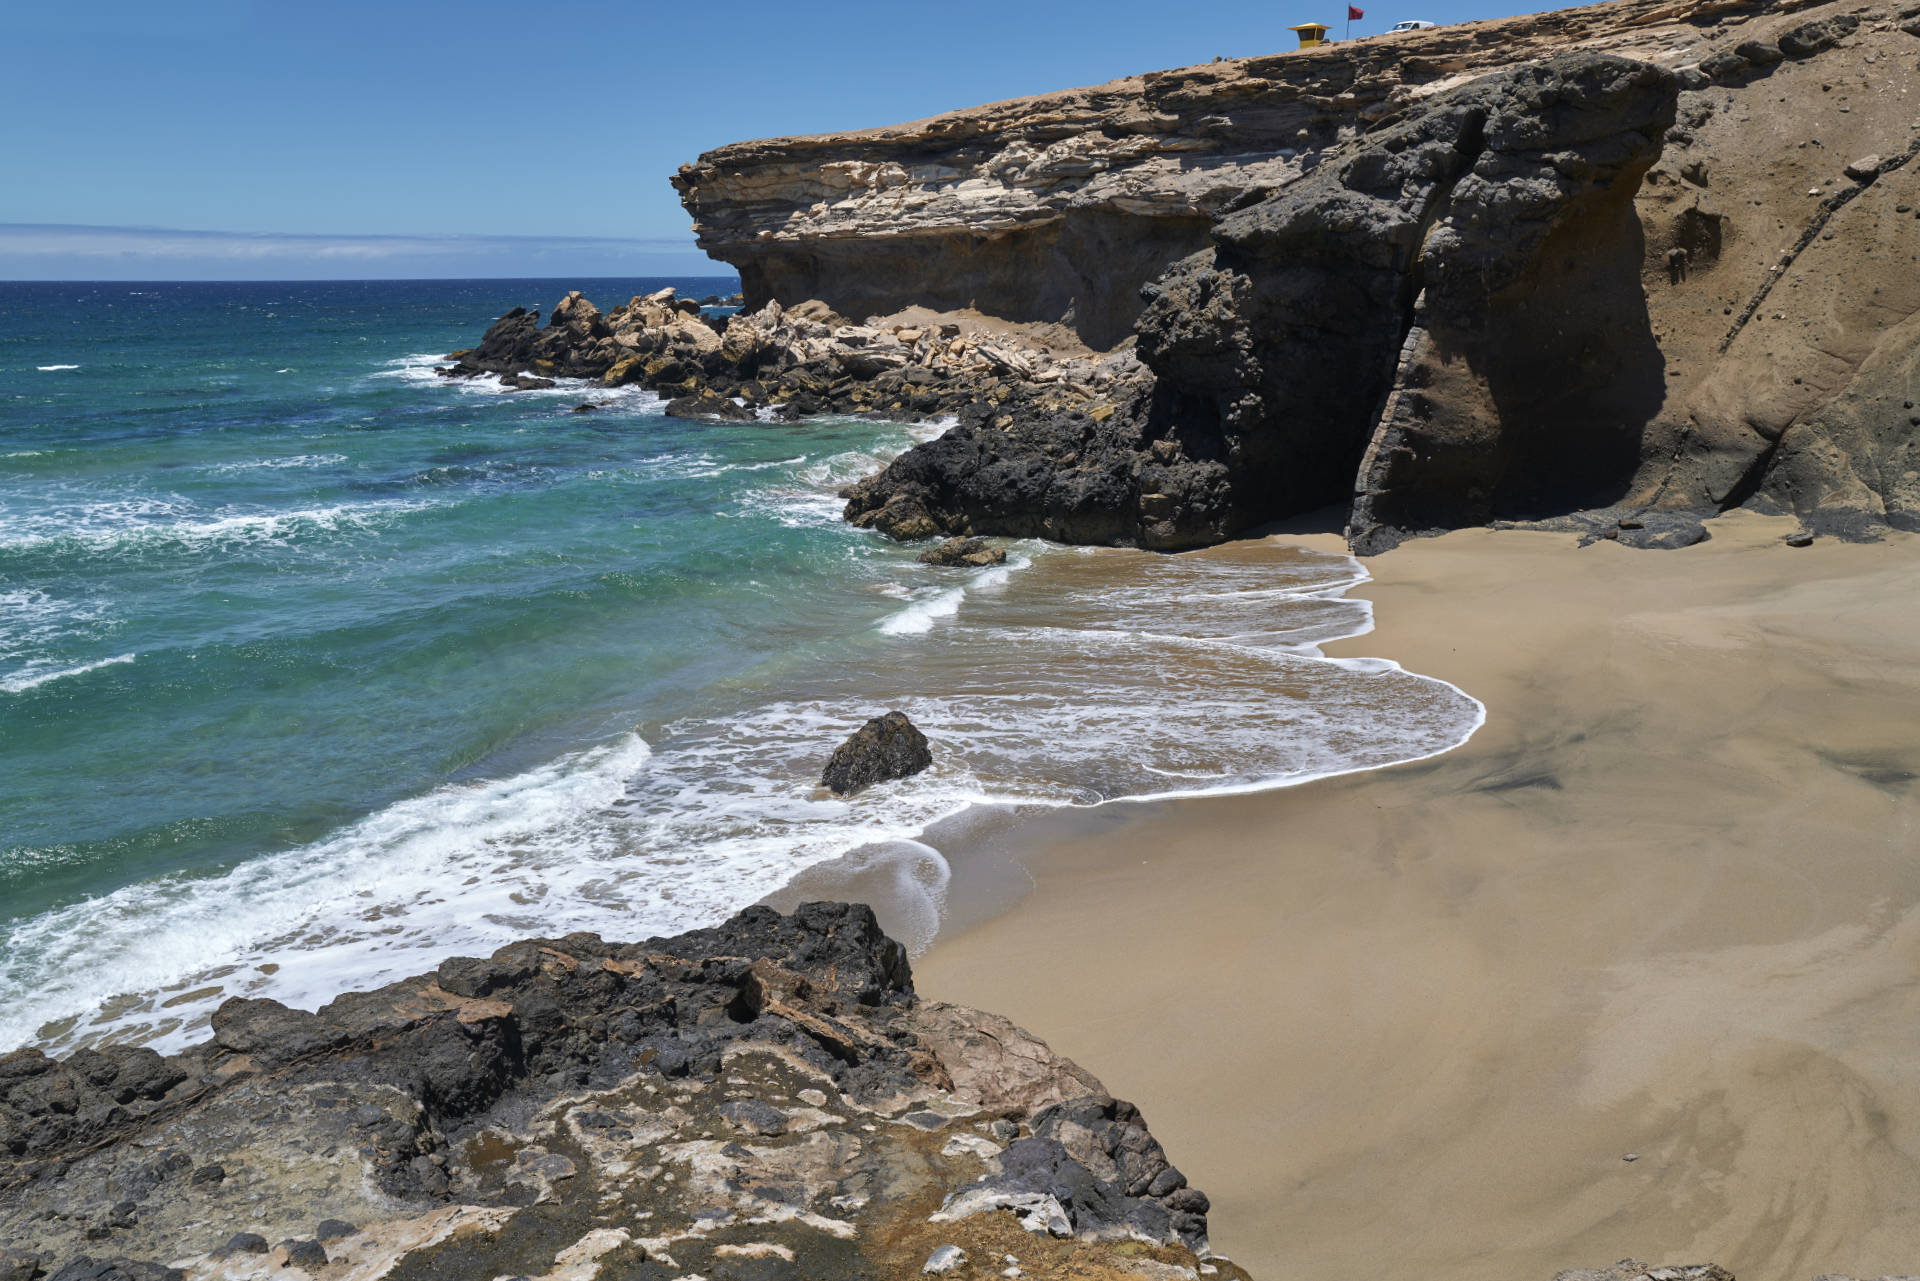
(315, 668)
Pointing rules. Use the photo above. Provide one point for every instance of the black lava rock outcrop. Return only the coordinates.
(767, 1091)
(886, 747)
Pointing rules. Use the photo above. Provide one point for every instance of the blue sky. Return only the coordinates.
(481, 138)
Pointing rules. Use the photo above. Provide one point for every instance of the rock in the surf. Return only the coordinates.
(963, 553)
(707, 403)
(886, 747)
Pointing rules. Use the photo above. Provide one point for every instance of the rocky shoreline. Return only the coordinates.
(765, 1099)
(783, 362)
(1422, 279)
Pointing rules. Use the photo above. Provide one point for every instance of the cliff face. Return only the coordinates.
(763, 1100)
(1367, 294)
(1276, 349)
(1060, 206)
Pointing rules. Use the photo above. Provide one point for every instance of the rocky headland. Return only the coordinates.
(1624, 267)
(765, 1099)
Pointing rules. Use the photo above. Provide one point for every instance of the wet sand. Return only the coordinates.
(1409, 1023)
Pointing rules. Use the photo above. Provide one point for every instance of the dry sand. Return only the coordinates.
(1408, 1023)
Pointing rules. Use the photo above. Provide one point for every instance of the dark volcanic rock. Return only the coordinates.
(778, 1068)
(886, 747)
(707, 403)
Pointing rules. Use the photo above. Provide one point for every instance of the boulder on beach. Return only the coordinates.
(963, 553)
(886, 747)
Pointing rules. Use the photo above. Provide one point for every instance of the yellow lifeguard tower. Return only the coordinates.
(1312, 34)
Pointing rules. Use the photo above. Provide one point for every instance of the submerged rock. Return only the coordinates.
(963, 553)
(886, 747)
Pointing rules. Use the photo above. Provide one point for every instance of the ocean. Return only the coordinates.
(316, 668)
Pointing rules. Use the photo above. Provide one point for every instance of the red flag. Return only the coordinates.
(1354, 15)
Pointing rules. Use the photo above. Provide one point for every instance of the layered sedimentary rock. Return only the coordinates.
(765, 1099)
(1059, 206)
(1477, 311)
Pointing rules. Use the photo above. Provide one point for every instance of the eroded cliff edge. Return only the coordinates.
(766, 1099)
(1405, 276)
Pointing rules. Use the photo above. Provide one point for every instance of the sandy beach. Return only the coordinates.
(1412, 1023)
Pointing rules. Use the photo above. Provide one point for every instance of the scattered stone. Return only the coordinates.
(1823, 33)
(963, 553)
(585, 407)
(971, 1145)
(306, 1254)
(86, 1268)
(943, 1260)
(1668, 535)
(1631, 1157)
(1799, 538)
(886, 747)
(755, 1116)
(244, 1243)
(208, 1174)
(333, 1230)
(1865, 169)
(20, 1266)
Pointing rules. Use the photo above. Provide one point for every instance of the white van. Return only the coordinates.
(1411, 24)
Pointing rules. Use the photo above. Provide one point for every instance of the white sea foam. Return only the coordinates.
(275, 464)
(32, 678)
(355, 908)
(621, 838)
(810, 496)
(1119, 676)
(422, 369)
(923, 613)
(930, 605)
(48, 369)
(33, 622)
(111, 525)
(1106, 702)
